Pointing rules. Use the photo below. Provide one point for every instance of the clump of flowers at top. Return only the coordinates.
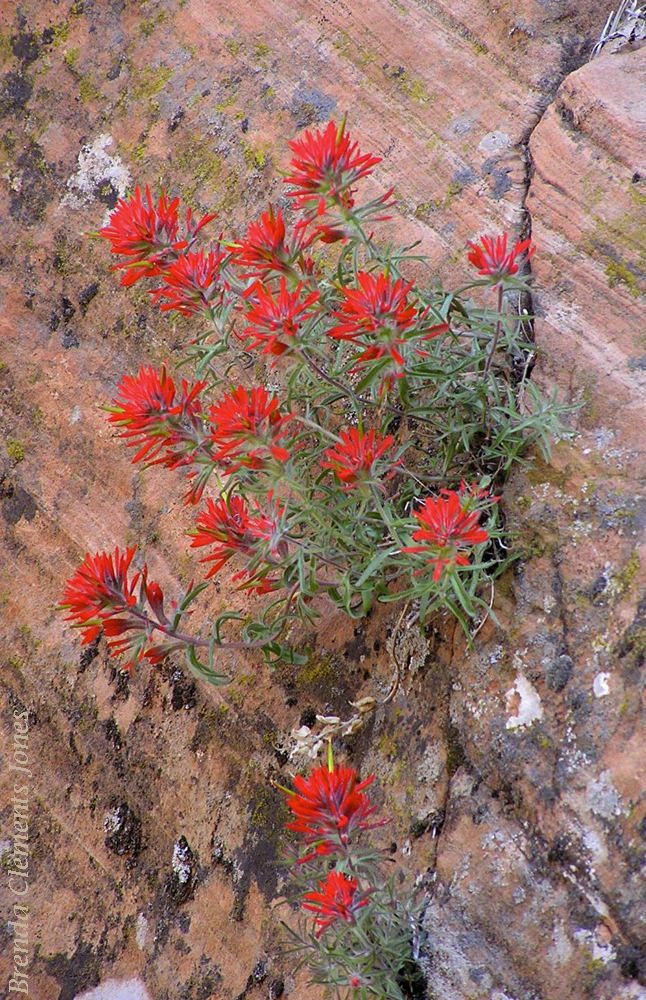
(345, 481)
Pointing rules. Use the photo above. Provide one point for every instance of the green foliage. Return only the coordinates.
(436, 381)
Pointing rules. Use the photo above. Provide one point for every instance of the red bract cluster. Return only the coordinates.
(325, 167)
(447, 528)
(224, 524)
(192, 283)
(265, 251)
(337, 899)
(247, 429)
(472, 492)
(99, 588)
(228, 525)
(492, 259)
(157, 418)
(356, 458)
(330, 806)
(378, 317)
(100, 597)
(274, 321)
(147, 234)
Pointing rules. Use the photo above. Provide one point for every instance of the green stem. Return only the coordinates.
(497, 331)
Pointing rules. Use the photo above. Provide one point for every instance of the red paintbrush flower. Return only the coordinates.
(325, 167)
(144, 233)
(101, 598)
(492, 259)
(356, 459)
(446, 527)
(225, 524)
(157, 417)
(336, 900)
(330, 805)
(147, 234)
(272, 318)
(378, 317)
(471, 493)
(192, 283)
(247, 426)
(264, 250)
(98, 590)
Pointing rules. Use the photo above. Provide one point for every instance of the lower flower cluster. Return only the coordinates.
(362, 939)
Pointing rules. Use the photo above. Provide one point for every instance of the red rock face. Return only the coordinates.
(514, 772)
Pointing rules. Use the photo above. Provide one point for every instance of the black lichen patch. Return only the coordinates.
(15, 91)
(107, 194)
(88, 654)
(559, 672)
(121, 680)
(16, 502)
(123, 830)
(184, 693)
(75, 974)
(633, 640)
(86, 296)
(113, 736)
(25, 47)
(258, 856)
(455, 754)
(355, 648)
(632, 962)
(203, 983)
(28, 201)
(310, 105)
(276, 988)
(69, 339)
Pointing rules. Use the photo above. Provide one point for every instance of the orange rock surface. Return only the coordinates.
(514, 772)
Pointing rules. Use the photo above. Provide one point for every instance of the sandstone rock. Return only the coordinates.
(528, 839)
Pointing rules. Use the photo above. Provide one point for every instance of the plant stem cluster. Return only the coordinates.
(365, 473)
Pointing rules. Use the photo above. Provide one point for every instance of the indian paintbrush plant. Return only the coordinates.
(356, 932)
(366, 466)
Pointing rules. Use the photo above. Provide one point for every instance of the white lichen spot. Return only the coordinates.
(141, 931)
(496, 655)
(75, 415)
(181, 863)
(96, 170)
(602, 797)
(114, 989)
(595, 846)
(524, 701)
(600, 950)
(430, 766)
(603, 437)
(494, 142)
(600, 685)
(112, 821)
(549, 603)
(561, 949)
